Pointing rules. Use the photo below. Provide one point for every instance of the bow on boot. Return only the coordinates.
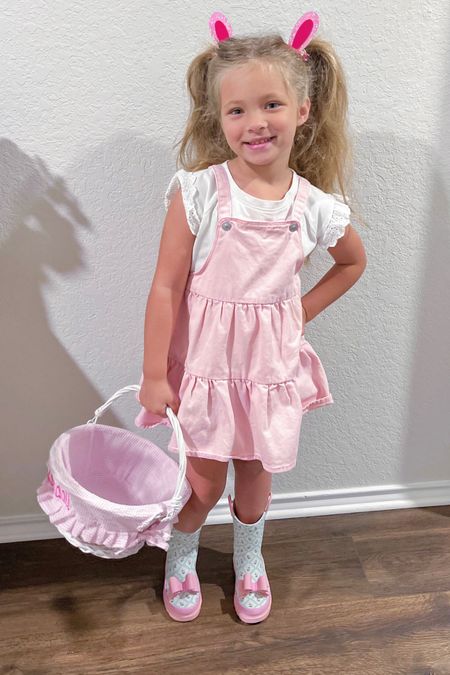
(247, 585)
(189, 585)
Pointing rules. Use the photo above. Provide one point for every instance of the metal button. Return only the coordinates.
(226, 225)
(293, 227)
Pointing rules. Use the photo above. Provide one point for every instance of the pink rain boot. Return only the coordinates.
(252, 595)
(181, 593)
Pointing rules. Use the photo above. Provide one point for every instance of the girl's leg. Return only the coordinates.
(182, 595)
(252, 597)
(252, 486)
(208, 479)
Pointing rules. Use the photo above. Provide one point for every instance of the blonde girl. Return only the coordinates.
(264, 150)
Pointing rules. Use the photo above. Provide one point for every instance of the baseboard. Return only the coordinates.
(347, 500)
(285, 505)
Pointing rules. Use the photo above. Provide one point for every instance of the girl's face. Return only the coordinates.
(259, 116)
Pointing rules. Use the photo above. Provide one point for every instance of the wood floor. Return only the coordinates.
(356, 594)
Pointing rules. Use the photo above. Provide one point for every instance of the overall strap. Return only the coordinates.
(300, 198)
(223, 192)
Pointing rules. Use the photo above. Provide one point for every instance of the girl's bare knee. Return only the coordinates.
(208, 479)
(248, 467)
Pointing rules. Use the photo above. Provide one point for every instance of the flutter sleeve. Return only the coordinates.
(192, 199)
(334, 216)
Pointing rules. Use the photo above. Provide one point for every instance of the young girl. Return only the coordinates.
(264, 146)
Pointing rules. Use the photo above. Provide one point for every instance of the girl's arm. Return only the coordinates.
(351, 262)
(167, 289)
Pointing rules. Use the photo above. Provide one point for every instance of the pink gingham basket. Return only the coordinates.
(108, 491)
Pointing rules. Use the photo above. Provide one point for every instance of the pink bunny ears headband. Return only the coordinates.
(301, 35)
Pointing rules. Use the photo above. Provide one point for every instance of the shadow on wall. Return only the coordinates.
(121, 183)
(44, 392)
(413, 257)
(428, 430)
(416, 180)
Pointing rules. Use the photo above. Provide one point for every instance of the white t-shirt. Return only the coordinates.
(324, 218)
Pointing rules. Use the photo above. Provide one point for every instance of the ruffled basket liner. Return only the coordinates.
(88, 526)
(67, 521)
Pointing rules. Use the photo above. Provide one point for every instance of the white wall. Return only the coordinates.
(92, 101)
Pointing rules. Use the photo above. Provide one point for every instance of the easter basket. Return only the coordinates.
(109, 491)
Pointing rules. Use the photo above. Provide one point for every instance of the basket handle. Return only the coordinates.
(99, 412)
(175, 502)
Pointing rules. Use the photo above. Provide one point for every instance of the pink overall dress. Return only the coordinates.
(244, 372)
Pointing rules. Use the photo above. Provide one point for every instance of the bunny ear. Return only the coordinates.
(304, 31)
(220, 27)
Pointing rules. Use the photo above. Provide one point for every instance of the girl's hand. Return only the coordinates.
(304, 319)
(155, 394)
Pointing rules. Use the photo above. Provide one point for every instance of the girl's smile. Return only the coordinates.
(260, 143)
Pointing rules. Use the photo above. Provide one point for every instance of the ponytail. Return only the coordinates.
(203, 141)
(322, 150)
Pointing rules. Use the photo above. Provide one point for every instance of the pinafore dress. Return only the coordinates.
(244, 372)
